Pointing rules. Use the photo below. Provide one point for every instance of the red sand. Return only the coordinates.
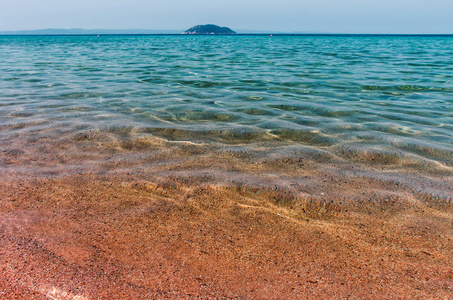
(140, 236)
(129, 239)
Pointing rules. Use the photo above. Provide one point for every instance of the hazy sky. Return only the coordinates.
(342, 16)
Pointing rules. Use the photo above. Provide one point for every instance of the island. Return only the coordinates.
(209, 29)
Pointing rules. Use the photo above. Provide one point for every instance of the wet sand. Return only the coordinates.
(155, 219)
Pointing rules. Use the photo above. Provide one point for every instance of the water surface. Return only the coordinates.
(385, 100)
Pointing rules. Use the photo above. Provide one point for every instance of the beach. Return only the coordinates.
(262, 172)
(197, 231)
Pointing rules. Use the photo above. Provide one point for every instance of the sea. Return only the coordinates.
(352, 105)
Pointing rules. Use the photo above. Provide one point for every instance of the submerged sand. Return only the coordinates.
(155, 219)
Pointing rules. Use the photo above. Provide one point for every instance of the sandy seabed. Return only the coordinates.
(154, 219)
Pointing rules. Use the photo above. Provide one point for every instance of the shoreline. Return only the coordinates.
(215, 223)
(296, 168)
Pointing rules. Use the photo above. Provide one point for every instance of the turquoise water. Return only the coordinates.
(386, 97)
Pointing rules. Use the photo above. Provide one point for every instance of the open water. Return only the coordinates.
(361, 98)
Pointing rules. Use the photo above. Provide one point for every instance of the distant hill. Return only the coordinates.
(209, 29)
(199, 29)
(78, 31)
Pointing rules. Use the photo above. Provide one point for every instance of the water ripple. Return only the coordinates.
(346, 93)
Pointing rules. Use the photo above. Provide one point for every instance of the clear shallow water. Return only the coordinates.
(363, 98)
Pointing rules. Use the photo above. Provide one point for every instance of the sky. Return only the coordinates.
(317, 16)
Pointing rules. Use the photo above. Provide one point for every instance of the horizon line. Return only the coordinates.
(235, 34)
(89, 32)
